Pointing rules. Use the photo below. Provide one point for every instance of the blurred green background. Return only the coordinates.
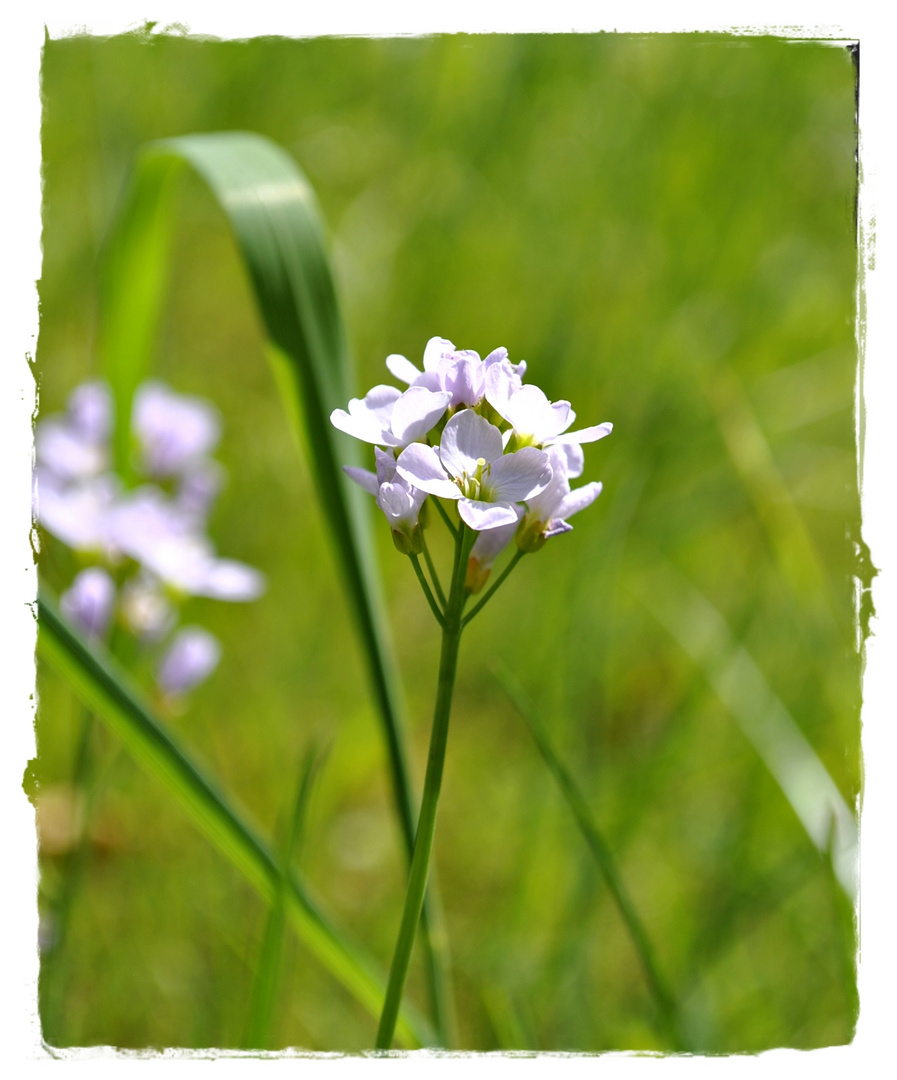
(663, 227)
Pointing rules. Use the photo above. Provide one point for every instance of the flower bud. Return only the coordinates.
(530, 535)
(410, 542)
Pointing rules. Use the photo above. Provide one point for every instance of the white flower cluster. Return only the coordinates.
(470, 430)
(148, 546)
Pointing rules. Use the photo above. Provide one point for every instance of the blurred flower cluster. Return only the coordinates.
(143, 550)
(469, 429)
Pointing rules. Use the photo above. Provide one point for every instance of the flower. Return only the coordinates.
(148, 527)
(192, 656)
(144, 609)
(459, 372)
(546, 511)
(89, 601)
(536, 420)
(388, 417)
(470, 466)
(76, 514)
(173, 431)
(399, 501)
(489, 544)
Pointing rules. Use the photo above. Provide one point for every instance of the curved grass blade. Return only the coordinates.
(105, 690)
(267, 974)
(663, 999)
(273, 214)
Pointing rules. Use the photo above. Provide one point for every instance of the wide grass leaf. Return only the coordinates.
(106, 691)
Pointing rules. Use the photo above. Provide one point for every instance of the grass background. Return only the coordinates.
(664, 228)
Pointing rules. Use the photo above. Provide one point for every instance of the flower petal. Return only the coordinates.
(487, 515)
(420, 466)
(578, 499)
(416, 412)
(402, 368)
(436, 348)
(192, 657)
(589, 434)
(467, 438)
(519, 476)
(364, 478)
(533, 415)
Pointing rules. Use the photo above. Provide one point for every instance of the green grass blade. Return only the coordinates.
(743, 688)
(663, 999)
(267, 973)
(105, 690)
(273, 214)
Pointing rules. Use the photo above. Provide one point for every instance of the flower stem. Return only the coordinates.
(423, 843)
(518, 555)
(452, 528)
(440, 595)
(431, 600)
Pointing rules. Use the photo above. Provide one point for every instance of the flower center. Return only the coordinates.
(471, 484)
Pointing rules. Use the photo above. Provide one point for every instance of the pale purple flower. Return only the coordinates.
(459, 372)
(90, 410)
(192, 656)
(387, 417)
(145, 610)
(547, 511)
(470, 466)
(76, 514)
(399, 500)
(89, 601)
(489, 544)
(149, 528)
(536, 420)
(60, 448)
(173, 430)
(197, 491)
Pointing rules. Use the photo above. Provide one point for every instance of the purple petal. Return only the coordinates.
(402, 368)
(533, 415)
(79, 515)
(586, 435)
(420, 466)
(364, 478)
(227, 579)
(491, 542)
(436, 349)
(416, 412)
(90, 410)
(173, 429)
(61, 448)
(578, 499)
(192, 657)
(89, 601)
(486, 515)
(467, 438)
(465, 379)
(519, 476)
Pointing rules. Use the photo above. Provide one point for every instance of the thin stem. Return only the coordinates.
(263, 1003)
(663, 998)
(450, 525)
(440, 595)
(518, 555)
(431, 600)
(423, 844)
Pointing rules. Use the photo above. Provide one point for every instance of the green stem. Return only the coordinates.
(450, 525)
(431, 600)
(663, 999)
(518, 555)
(423, 843)
(440, 595)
